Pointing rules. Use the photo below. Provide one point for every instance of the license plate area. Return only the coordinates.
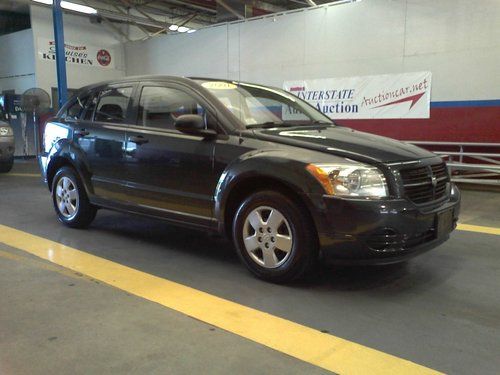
(444, 223)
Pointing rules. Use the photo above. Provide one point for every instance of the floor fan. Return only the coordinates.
(33, 102)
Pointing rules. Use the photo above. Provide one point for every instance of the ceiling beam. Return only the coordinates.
(139, 26)
(223, 4)
(267, 6)
(187, 20)
(132, 19)
(154, 10)
(187, 4)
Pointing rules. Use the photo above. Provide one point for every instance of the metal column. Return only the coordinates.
(62, 84)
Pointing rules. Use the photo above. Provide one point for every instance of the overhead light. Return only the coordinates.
(70, 6)
(78, 8)
(191, 31)
(173, 27)
(183, 29)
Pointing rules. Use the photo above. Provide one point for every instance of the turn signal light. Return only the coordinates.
(322, 178)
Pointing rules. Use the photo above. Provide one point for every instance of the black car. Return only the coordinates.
(251, 162)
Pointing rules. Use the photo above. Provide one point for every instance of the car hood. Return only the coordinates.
(345, 142)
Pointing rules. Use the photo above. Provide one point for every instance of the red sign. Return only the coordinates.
(103, 57)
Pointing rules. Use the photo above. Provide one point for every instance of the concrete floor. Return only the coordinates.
(441, 310)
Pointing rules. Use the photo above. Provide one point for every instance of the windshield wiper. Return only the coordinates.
(265, 125)
(318, 122)
(272, 124)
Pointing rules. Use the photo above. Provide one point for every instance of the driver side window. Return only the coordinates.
(160, 106)
(75, 110)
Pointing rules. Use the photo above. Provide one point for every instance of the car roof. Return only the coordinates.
(154, 77)
(158, 78)
(136, 79)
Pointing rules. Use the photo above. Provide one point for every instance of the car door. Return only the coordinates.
(168, 171)
(101, 134)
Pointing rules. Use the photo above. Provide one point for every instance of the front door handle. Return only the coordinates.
(139, 140)
(81, 132)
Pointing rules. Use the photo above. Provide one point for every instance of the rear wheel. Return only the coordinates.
(274, 238)
(70, 199)
(6, 166)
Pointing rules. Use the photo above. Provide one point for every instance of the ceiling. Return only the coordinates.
(153, 17)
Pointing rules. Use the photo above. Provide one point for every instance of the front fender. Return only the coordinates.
(274, 165)
(66, 152)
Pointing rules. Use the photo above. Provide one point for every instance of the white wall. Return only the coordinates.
(77, 29)
(17, 64)
(457, 40)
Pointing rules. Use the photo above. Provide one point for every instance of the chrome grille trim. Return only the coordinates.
(425, 184)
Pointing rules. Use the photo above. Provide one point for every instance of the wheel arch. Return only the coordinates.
(249, 184)
(59, 161)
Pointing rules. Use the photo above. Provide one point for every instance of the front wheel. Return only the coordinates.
(70, 199)
(274, 237)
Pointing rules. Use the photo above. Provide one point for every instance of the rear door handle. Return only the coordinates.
(81, 132)
(139, 140)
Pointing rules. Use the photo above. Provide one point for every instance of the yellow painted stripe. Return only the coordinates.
(307, 344)
(22, 175)
(479, 229)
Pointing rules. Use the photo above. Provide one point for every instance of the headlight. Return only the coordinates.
(5, 131)
(52, 134)
(350, 179)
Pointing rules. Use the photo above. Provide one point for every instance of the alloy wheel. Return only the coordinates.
(67, 198)
(267, 237)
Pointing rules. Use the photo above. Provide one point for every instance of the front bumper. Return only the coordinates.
(6, 148)
(385, 231)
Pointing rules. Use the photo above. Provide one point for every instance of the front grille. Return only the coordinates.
(425, 184)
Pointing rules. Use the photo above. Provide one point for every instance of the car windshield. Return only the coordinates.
(260, 106)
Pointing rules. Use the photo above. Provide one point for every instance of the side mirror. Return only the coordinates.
(194, 125)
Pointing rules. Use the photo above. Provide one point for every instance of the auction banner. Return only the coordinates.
(405, 95)
(77, 53)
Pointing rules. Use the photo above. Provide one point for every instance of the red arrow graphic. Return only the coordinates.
(414, 99)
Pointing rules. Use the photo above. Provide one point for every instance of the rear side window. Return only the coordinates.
(113, 104)
(160, 106)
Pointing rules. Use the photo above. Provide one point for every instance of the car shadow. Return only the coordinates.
(168, 237)
(414, 276)
(420, 273)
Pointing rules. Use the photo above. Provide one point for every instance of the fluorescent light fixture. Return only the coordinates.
(183, 29)
(191, 31)
(173, 27)
(70, 6)
(78, 8)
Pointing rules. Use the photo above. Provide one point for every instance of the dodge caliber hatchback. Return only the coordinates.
(251, 162)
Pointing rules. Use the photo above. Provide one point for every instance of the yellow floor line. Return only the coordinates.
(23, 175)
(324, 350)
(479, 229)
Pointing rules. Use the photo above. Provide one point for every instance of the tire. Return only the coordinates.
(6, 166)
(282, 237)
(70, 199)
